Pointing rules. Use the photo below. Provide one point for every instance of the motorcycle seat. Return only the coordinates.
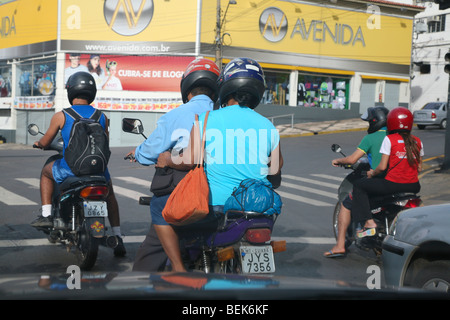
(75, 182)
(377, 200)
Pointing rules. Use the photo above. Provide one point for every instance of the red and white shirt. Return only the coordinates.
(399, 171)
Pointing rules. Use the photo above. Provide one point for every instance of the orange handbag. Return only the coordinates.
(189, 201)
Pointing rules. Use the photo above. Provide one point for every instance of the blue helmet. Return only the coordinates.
(242, 77)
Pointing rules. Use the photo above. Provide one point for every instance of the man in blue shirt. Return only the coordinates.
(240, 143)
(81, 91)
(199, 92)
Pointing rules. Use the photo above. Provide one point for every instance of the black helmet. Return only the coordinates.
(81, 85)
(377, 118)
(199, 73)
(242, 76)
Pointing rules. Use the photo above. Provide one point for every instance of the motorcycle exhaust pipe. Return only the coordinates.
(109, 241)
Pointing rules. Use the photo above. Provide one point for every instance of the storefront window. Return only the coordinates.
(5, 80)
(323, 91)
(36, 78)
(277, 91)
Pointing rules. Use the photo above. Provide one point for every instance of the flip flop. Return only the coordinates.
(366, 232)
(331, 254)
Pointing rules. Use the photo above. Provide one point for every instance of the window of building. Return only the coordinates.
(36, 78)
(436, 23)
(5, 80)
(277, 88)
(323, 91)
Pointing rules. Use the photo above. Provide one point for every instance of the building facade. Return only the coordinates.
(431, 42)
(323, 59)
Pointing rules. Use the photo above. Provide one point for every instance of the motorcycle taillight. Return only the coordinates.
(257, 235)
(413, 203)
(94, 192)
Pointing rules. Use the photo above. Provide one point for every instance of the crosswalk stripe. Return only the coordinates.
(13, 199)
(141, 182)
(34, 182)
(320, 183)
(326, 176)
(308, 189)
(303, 199)
(128, 193)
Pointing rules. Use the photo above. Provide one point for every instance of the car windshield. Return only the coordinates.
(432, 106)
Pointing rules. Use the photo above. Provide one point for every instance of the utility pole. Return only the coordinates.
(218, 38)
(446, 163)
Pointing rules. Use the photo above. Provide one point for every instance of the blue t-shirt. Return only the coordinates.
(239, 142)
(172, 130)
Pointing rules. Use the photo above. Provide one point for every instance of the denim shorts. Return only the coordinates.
(61, 172)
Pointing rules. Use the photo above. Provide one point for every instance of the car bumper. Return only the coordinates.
(396, 257)
(427, 122)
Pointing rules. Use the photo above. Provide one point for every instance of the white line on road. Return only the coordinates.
(307, 189)
(141, 182)
(320, 183)
(303, 199)
(11, 199)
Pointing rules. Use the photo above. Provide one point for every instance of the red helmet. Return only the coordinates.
(400, 119)
(199, 73)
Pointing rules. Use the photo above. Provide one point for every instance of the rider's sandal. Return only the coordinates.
(366, 232)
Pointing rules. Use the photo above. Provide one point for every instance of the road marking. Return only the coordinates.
(141, 182)
(320, 183)
(303, 199)
(139, 239)
(12, 199)
(34, 182)
(129, 193)
(326, 176)
(307, 189)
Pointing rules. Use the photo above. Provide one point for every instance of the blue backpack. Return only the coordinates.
(254, 195)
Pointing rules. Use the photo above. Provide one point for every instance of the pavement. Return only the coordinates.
(435, 183)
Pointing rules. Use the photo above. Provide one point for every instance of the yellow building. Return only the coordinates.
(323, 59)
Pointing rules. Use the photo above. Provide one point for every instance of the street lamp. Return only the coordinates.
(218, 40)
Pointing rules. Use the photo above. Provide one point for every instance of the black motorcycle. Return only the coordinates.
(79, 211)
(384, 208)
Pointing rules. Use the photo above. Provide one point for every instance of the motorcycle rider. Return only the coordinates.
(370, 146)
(402, 155)
(199, 92)
(241, 86)
(81, 91)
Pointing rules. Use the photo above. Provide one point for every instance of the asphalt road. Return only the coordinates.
(308, 190)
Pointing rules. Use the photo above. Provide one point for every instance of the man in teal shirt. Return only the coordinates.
(370, 146)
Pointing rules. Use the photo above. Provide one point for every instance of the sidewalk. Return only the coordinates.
(323, 127)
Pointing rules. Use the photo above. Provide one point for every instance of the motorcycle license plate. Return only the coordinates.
(95, 209)
(257, 259)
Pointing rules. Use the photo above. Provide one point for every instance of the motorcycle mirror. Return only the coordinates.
(33, 129)
(335, 147)
(133, 126)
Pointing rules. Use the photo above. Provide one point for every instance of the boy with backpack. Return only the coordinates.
(84, 130)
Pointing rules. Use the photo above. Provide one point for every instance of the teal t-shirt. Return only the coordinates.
(371, 145)
(239, 142)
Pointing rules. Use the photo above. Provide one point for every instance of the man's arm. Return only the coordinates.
(351, 159)
(56, 124)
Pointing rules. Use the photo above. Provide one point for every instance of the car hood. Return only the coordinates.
(191, 286)
(422, 224)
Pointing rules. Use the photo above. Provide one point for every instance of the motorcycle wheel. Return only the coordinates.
(349, 238)
(86, 247)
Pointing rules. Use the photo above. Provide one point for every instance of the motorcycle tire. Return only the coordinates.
(349, 237)
(86, 248)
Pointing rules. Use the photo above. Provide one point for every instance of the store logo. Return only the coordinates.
(128, 17)
(273, 24)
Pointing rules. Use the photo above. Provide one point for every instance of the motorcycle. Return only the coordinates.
(240, 244)
(384, 209)
(79, 211)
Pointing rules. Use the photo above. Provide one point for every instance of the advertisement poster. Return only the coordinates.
(130, 73)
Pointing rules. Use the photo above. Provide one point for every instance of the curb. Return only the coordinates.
(314, 133)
